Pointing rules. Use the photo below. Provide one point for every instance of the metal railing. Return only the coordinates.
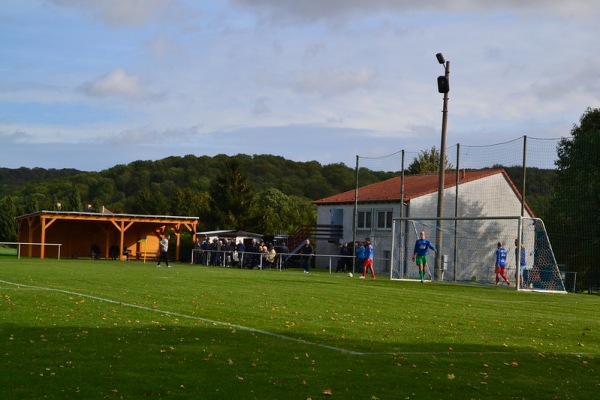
(248, 259)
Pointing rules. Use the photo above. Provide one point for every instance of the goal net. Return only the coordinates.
(468, 251)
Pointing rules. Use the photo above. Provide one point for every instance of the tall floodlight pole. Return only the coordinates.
(443, 87)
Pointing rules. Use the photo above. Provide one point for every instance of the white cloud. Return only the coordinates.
(17, 136)
(321, 69)
(278, 11)
(118, 12)
(117, 83)
(151, 136)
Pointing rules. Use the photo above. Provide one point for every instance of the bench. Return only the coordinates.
(146, 255)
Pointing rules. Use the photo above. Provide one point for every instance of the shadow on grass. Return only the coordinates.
(167, 360)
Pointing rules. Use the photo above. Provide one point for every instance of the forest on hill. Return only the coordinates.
(279, 191)
(181, 186)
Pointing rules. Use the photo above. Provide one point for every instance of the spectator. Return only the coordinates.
(270, 257)
(95, 252)
(252, 255)
(307, 253)
(241, 249)
(197, 251)
(229, 248)
(284, 255)
(344, 260)
(205, 251)
(113, 252)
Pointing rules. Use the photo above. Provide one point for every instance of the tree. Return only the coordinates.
(427, 162)
(8, 224)
(230, 199)
(575, 207)
(74, 201)
(149, 202)
(187, 202)
(279, 212)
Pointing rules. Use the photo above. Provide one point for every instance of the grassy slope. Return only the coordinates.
(195, 332)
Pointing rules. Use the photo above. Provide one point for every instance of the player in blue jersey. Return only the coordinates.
(500, 268)
(359, 254)
(422, 247)
(368, 264)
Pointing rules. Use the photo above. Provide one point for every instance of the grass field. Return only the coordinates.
(124, 330)
(7, 251)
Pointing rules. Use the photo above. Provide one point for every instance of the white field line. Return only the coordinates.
(276, 335)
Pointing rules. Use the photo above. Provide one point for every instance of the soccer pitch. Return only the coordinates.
(113, 329)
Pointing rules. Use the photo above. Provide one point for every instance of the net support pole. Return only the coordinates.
(442, 171)
(518, 252)
(355, 227)
(455, 261)
(524, 176)
(399, 249)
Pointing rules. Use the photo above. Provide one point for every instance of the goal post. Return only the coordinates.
(17, 248)
(468, 252)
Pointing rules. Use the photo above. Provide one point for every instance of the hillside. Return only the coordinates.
(122, 187)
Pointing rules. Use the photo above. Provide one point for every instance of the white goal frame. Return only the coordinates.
(468, 251)
(19, 244)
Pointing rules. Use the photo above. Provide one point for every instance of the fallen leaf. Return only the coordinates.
(451, 376)
(327, 392)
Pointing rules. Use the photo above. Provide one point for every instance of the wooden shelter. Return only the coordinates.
(115, 235)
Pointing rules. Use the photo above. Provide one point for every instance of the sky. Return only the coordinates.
(89, 84)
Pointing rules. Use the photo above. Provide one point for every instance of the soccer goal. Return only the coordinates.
(468, 252)
(16, 249)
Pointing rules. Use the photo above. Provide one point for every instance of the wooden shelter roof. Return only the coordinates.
(124, 229)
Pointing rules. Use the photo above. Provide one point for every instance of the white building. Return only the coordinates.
(480, 193)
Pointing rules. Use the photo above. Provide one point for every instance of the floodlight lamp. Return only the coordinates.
(440, 58)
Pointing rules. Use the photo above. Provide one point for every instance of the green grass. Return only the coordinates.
(110, 329)
(7, 251)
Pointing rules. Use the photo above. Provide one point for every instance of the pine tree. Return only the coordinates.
(8, 224)
(230, 202)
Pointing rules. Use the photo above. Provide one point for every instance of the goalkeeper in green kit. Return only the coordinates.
(422, 247)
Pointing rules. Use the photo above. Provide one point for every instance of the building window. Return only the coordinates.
(384, 219)
(364, 219)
